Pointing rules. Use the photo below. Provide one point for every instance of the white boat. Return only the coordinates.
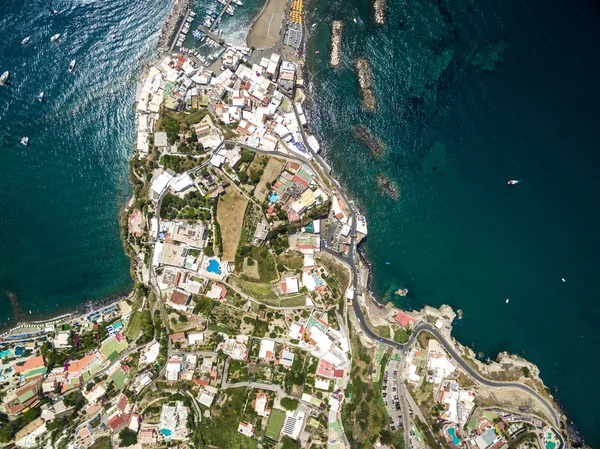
(4, 78)
(512, 182)
(27, 39)
(237, 2)
(25, 141)
(41, 96)
(355, 20)
(72, 66)
(55, 37)
(53, 12)
(192, 13)
(507, 300)
(230, 10)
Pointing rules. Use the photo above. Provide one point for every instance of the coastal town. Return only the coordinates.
(251, 323)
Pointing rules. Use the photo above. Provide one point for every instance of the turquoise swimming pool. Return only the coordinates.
(273, 197)
(550, 445)
(455, 439)
(6, 353)
(213, 267)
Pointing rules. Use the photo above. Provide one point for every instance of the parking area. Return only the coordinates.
(390, 395)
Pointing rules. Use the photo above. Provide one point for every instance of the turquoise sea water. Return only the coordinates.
(484, 92)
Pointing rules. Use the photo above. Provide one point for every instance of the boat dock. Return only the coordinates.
(183, 22)
(215, 37)
(221, 14)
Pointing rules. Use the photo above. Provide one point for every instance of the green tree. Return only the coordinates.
(128, 437)
(289, 404)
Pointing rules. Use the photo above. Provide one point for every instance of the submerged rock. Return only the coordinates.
(434, 161)
(373, 142)
(485, 59)
(387, 186)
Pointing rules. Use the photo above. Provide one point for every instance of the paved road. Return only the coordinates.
(270, 387)
(423, 327)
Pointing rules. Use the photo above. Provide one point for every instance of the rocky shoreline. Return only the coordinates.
(336, 43)
(173, 21)
(367, 136)
(365, 82)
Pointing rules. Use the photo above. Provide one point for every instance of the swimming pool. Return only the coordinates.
(550, 445)
(213, 267)
(273, 197)
(6, 353)
(452, 433)
(166, 432)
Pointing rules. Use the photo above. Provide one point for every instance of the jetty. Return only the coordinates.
(215, 37)
(365, 82)
(335, 58)
(220, 14)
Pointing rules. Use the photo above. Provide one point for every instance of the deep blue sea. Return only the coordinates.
(484, 92)
(60, 196)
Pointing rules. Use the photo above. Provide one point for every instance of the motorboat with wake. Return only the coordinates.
(26, 40)
(72, 66)
(4, 78)
(513, 182)
(55, 37)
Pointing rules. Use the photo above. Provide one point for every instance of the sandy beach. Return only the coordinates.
(265, 32)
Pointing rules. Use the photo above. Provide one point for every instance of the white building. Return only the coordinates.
(293, 424)
(267, 349)
(160, 184)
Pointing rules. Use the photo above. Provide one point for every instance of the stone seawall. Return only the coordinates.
(336, 43)
(379, 7)
(365, 82)
(172, 23)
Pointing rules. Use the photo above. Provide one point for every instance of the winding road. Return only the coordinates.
(422, 327)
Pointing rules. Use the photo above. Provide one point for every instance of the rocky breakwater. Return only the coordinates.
(379, 8)
(365, 82)
(387, 186)
(367, 136)
(335, 58)
(180, 7)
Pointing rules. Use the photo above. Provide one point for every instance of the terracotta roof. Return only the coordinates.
(32, 363)
(403, 319)
(178, 336)
(122, 402)
(78, 365)
(179, 298)
(117, 421)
